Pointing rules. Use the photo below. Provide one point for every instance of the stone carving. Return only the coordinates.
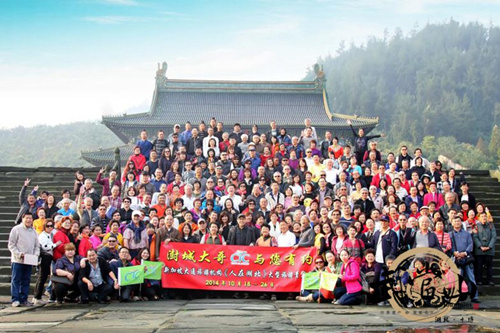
(320, 76)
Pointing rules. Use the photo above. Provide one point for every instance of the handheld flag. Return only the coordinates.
(130, 275)
(327, 284)
(310, 281)
(153, 271)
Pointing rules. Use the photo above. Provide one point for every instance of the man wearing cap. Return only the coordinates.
(241, 234)
(176, 130)
(252, 157)
(145, 181)
(135, 236)
(175, 144)
(225, 163)
(202, 230)
(385, 241)
(365, 203)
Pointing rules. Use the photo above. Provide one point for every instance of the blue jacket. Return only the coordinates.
(389, 243)
(461, 241)
(146, 147)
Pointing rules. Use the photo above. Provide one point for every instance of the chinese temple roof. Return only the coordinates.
(245, 102)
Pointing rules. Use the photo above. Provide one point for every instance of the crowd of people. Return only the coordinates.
(207, 185)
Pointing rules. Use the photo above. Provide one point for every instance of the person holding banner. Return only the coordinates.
(125, 291)
(149, 289)
(241, 234)
(213, 237)
(311, 295)
(166, 234)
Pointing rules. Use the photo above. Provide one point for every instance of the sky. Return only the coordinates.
(63, 61)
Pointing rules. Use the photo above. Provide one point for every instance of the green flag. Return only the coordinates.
(310, 281)
(153, 271)
(130, 275)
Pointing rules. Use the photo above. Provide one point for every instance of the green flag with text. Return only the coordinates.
(130, 275)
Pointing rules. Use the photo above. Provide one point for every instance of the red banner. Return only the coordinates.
(240, 268)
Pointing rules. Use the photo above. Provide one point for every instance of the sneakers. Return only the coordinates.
(273, 297)
(409, 305)
(15, 304)
(38, 301)
(492, 283)
(136, 299)
(383, 303)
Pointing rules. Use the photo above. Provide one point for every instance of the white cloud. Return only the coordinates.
(112, 19)
(121, 2)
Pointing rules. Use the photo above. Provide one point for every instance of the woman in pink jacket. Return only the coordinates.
(351, 290)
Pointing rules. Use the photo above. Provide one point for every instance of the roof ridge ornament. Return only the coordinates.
(320, 76)
(161, 73)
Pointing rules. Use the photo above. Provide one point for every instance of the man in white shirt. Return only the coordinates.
(285, 238)
(233, 196)
(274, 197)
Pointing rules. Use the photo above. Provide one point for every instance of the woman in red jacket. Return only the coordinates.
(85, 243)
(62, 235)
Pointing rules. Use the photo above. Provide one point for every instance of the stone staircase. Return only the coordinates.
(485, 188)
(11, 181)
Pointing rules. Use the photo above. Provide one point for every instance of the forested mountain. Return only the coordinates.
(57, 146)
(442, 80)
(437, 88)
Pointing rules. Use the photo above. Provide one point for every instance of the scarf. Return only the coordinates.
(137, 230)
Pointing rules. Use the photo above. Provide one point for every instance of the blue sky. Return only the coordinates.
(69, 60)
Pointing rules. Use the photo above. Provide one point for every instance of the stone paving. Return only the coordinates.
(228, 315)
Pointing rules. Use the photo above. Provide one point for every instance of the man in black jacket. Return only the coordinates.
(241, 234)
(93, 279)
(366, 204)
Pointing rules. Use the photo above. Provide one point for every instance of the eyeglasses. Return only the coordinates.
(49, 226)
(308, 152)
(320, 262)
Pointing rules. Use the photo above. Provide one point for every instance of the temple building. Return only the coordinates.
(177, 101)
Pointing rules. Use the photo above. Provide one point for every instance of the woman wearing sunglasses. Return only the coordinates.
(46, 255)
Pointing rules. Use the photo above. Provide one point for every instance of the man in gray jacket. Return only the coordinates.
(23, 240)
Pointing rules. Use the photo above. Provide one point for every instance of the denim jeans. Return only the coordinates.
(350, 299)
(468, 274)
(20, 284)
